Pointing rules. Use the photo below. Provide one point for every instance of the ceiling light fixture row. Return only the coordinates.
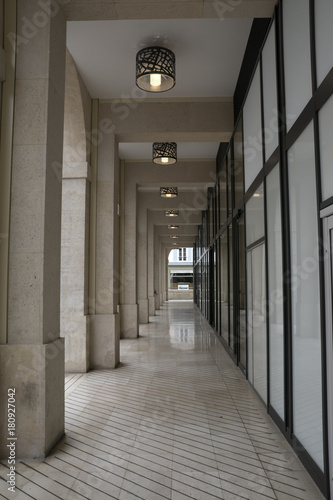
(171, 213)
(164, 153)
(168, 192)
(155, 69)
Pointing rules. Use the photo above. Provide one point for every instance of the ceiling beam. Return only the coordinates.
(137, 120)
(94, 10)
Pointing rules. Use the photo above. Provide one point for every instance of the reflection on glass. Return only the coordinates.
(306, 333)
(255, 222)
(275, 292)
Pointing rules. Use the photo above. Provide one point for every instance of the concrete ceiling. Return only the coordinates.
(208, 54)
(104, 36)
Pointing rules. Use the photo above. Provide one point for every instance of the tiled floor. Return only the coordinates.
(175, 421)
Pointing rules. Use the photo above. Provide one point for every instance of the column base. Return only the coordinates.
(104, 340)
(36, 373)
(129, 321)
(143, 311)
(77, 347)
(151, 305)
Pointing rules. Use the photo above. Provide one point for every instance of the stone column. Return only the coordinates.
(105, 319)
(129, 311)
(150, 251)
(32, 361)
(157, 252)
(166, 267)
(142, 266)
(74, 265)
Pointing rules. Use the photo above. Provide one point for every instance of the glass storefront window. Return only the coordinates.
(275, 292)
(255, 222)
(238, 162)
(252, 132)
(324, 37)
(325, 117)
(306, 331)
(297, 61)
(271, 125)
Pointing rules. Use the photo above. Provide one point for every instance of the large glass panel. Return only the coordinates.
(229, 166)
(238, 162)
(275, 292)
(257, 336)
(241, 293)
(259, 321)
(218, 263)
(297, 62)
(324, 37)
(252, 132)
(271, 128)
(255, 222)
(224, 286)
(223, 195)
(306, 334)
(249, 316)
(326, 148)
(231, 294)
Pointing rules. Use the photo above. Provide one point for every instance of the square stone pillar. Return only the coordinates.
(32, 360)
(150, 251)
(142, 265)
(129, 310)
(74, 266)
(105, 319)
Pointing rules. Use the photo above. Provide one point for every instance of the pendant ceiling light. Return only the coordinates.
(174, 236)
(169, 192)
(173, 226)
(155, 69)
(171, 213)
(164, 153)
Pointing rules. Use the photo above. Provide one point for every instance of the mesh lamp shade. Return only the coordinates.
(168, 192)
(171, 213)
(155, 69)
(164, 153)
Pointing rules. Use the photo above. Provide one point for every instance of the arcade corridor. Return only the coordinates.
(171, 423)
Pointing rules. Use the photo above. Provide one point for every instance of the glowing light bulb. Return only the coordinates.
(155, 80)
(164, 160)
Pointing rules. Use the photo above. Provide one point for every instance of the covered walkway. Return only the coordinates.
(177, 420)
